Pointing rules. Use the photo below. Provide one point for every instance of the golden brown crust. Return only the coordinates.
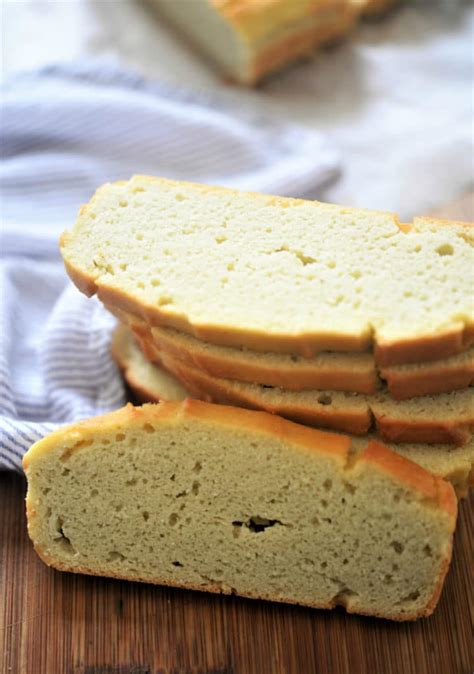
(403, 470)
(435, 431)
(441, 377)
(287, 377)
(425, 349)
(391, 425)
(301, 44)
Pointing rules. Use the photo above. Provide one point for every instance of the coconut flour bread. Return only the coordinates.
(284, 275)
(150, 383)
(227, 500)
(350, 372)
(248, 39)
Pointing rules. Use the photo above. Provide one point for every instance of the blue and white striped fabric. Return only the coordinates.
(65, 131)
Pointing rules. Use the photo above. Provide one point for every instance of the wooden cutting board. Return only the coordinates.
(59, 623)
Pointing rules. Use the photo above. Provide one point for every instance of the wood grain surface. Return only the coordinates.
(60, 623)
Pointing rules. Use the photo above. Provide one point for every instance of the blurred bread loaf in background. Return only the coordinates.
(249, 39)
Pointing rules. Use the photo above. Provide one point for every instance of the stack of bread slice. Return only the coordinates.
(337, 318)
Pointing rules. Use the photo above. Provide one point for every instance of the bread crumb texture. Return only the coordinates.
(226, 500)
(273, 267)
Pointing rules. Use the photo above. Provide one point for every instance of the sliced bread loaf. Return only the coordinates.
(284, 275)
(150, 383)
(227, 500)
(350, 372)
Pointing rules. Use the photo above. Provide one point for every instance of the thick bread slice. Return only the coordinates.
(280, 272)
(227, 500)
(335, 410)
(440, 376)
(249, 40)
(444, 418)
(150, 383)
(351, 372)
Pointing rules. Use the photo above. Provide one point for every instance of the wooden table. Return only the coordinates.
(59, 623)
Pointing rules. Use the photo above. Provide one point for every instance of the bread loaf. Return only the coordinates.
(227, 500)
(284, 275)
(150, 383)
(248, 40)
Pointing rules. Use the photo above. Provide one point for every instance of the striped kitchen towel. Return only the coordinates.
(66, 130)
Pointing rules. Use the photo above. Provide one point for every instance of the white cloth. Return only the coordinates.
(67, 130)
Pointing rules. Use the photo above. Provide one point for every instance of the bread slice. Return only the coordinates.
(440, 376)
(444, 418)
(150, 383)
(350, 372)
(226, 500)
(247, 41)
(283, 275)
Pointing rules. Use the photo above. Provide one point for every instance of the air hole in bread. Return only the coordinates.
(148, 428)
(445, 249)
(176, 563)
(195, 487)
(428, 551)
(61, 538)
(146, 515)
(164, 300)
(349, 487)
(132, 482)
(155, 282)
(173, 519)
(398, 547)
(123, 203)
(120, 437)
(257, 524)
(327, 484)
(197, 467)
(324, 399)
(114, 556)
